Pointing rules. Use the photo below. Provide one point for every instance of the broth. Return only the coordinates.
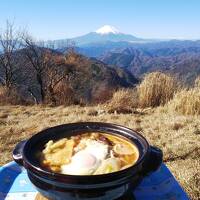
(89, 154)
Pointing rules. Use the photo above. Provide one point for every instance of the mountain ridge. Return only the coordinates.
(89, 80)
(104, 34)
(184, 63)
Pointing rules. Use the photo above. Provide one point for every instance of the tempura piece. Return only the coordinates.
(58, 154)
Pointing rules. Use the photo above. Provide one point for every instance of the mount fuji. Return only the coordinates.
(107, 30)
(102, 35)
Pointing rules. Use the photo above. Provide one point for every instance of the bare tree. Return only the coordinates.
(54, 76)
(49, 66)
(10, 41)
(59, 74)
(40, 59)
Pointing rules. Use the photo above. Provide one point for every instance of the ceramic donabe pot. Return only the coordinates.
(112, 186)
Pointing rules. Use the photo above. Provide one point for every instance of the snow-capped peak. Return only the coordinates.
(107, 29)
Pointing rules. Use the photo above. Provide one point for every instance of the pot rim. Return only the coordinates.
(44, 173)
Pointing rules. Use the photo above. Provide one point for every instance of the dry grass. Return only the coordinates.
(123, 101)
(156, 89)
(177, 135)
(186, 102)
(197, 82)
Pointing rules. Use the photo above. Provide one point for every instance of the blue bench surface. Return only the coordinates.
(160, 185)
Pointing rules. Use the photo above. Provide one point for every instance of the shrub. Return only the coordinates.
(11, 96)
(101, 93)
(92, 112)
(62, 95)
(3, 95)
(123, 101)
(186, 102)
(197, 82)
(156, 89)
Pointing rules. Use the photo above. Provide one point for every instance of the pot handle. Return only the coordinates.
(154, 161)
(17, 152)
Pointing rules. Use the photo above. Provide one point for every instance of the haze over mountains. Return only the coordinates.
(138, 55)
(102, 35)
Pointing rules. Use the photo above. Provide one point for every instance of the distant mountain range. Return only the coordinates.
(108, 38)
(137, 55)
(184, 63)
(102, 35)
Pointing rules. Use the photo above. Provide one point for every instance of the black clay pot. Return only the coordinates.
(113, 186)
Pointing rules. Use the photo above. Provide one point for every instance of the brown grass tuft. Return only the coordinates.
(156, 89)
(176, 126)
(92, 112)
(186, 102)
(123, 101)
(197, 82)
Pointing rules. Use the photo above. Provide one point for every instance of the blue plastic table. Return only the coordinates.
(160, 185)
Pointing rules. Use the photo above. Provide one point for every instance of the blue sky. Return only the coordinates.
(56, 19)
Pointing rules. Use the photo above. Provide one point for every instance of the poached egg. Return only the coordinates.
(86, 161)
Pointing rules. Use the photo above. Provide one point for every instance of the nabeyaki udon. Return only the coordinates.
(89, 154)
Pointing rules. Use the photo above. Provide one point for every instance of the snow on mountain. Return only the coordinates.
(104, 35)
(107, 30)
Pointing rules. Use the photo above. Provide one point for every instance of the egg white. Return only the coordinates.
(97, 149)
